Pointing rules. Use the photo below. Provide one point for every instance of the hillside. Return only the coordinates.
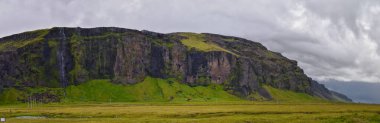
(77, 64)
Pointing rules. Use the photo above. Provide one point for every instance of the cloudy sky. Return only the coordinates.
(331, 39)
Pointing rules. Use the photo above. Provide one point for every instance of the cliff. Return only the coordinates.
(60, 57)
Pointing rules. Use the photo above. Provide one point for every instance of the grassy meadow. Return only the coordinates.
(203, 112)
(166, 100)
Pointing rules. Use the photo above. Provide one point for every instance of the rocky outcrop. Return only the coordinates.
(59, 57)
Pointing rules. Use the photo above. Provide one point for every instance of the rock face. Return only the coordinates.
(59, 57)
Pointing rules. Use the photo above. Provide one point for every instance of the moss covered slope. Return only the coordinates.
(151, 90)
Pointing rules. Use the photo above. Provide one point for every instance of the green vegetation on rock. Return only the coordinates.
(151, 89)
(280, 95)
(10, 44)
(10, 96)
(160, 42)
(198, 42)
(36, 94)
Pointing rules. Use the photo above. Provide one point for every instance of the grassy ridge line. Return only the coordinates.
(10, 44)
(291, 97)
(198, 42)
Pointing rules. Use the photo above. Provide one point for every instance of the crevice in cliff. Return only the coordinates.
(62, 58)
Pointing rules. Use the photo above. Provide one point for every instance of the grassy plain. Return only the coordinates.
(204, 112)
(159, 100)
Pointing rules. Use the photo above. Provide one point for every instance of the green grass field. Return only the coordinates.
(167, 100)
(218, 112)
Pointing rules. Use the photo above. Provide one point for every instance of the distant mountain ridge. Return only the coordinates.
(362, 92)
(60, 57)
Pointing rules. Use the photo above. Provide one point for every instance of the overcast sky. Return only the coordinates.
(330, 39)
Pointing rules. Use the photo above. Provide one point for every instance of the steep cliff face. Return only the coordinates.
(60, 57)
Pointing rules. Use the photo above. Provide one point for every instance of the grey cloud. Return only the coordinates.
(331, 39)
